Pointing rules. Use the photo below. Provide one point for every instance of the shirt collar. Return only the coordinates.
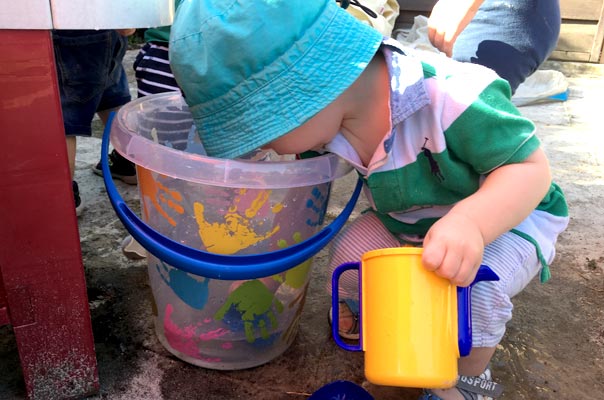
(407, 95)
(407, 88)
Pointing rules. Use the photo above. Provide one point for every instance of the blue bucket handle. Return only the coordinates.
(464, 309)
(212, 265)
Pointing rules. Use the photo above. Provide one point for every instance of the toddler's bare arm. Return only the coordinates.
(454, 245)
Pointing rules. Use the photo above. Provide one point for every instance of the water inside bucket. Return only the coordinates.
(230, 207)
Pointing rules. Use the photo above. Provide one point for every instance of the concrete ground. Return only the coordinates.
(554, 347)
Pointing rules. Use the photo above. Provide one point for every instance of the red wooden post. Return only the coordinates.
(42, 283)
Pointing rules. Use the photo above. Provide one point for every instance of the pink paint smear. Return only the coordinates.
(185, 340)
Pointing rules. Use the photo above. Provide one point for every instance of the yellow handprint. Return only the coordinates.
(236, 232)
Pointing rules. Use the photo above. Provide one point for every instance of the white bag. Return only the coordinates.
(387, 11)
(541, 86)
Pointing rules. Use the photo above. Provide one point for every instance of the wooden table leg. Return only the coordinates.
(41, 266)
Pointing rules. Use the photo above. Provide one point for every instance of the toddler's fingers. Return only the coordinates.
(432, 256)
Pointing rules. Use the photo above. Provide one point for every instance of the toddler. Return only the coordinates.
(448, 162)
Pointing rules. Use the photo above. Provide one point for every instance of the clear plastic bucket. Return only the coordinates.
(228, 207)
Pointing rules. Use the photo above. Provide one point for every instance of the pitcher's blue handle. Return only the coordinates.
(211, 265)
(335, 307)
(464, 309)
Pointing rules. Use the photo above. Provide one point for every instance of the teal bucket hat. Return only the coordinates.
(253, 70)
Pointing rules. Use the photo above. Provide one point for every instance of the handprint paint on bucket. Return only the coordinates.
(164, 200)
(237, 229)
(187, 340)
(265, 203)
(252, 305)
(295, 277)
(317, 203)
(191, 289)
(285, 291)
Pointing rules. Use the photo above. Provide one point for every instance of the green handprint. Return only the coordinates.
(253, 303)
(297, 276)
(296, 285)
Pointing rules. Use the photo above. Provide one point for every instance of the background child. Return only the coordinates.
(91, 80)
(448, 162)
(511, 38)
(153, 75)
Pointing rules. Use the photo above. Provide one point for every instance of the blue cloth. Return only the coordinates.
(511, 37)
(90, 74)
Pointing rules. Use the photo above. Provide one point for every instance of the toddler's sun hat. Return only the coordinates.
(253, 70)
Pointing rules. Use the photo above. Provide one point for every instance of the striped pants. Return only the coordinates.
(512, 258)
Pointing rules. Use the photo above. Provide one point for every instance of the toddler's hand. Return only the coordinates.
(453, 249)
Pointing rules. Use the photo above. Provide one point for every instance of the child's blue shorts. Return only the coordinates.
(90, 74)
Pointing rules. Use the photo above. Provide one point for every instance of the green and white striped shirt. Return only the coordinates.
(452, 124)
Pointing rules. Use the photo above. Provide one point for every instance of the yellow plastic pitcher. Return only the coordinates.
(412, 328)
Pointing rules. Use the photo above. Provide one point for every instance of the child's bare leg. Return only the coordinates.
(104, 115)
(71, 153)
(472, 365)
(476, 362)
